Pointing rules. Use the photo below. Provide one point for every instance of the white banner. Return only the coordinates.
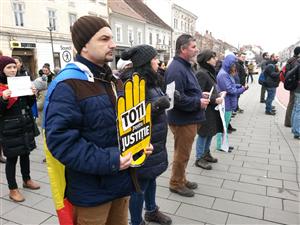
(221, 108)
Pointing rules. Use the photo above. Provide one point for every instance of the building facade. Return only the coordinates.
(128, 27)
(183, 21)
(178, 18)
(157, 33)
(39, 31)
(288, 52)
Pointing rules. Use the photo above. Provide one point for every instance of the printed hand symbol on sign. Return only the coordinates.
(134, 120)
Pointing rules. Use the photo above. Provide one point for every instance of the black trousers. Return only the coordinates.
(289, 110)
(10, 170)
(262, 94)
(251, 77)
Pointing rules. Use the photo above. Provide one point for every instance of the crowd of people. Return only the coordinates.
(288, 73)
(79, 120)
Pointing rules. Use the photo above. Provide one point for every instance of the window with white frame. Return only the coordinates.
(175, 23)
(18, 8)
(157, 39)
(150, 38)
(139, 37)
(118, 35)
(52, 19)
(72, 18)
(130, 35)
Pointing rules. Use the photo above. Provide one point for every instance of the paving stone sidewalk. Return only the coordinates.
(258, 183)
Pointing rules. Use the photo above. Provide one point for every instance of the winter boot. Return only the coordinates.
(203, 164)
(158, 217)
(208, 157)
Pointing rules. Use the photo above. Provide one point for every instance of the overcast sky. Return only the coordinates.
(274, 25)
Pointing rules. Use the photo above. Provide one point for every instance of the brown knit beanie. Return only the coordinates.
(84, 29)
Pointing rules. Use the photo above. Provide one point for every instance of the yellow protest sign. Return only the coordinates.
(134, 120)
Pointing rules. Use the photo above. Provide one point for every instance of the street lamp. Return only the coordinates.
(50, 28)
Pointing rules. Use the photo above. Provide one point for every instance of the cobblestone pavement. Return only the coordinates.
(258, 183)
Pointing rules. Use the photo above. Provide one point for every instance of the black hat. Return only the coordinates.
(205, 55)
(297, 50)
(139, 55)
(84, 29)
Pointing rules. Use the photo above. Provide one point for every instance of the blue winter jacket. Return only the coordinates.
(188, 109)
(81, 132)
(226, 83)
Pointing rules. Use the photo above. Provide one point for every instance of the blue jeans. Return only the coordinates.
(271, 95)
(148, 191)
(296, 116)
(202, 145)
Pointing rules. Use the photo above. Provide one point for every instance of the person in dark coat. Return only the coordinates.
(145, 63)
(240, 67)
(206, 76)
(291, 63)
(241, 72)
(263, 64)
(22, 71)
(185, 117)
(272, 82)
(16, 130)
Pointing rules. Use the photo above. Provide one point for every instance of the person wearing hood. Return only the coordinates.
(206, 76)
(145, 63)
(124, 69)
(272, 82)
(225, 81)
(16, 130)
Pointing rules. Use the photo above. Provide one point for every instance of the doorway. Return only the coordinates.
(28, 58)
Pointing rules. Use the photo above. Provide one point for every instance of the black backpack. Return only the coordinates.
(291, 63)
(292, 78)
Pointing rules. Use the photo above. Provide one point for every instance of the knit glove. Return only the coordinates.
(161, 103)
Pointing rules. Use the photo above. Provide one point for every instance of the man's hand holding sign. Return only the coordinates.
(134, 124)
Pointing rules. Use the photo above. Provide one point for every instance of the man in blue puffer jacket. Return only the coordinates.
(81, 132)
